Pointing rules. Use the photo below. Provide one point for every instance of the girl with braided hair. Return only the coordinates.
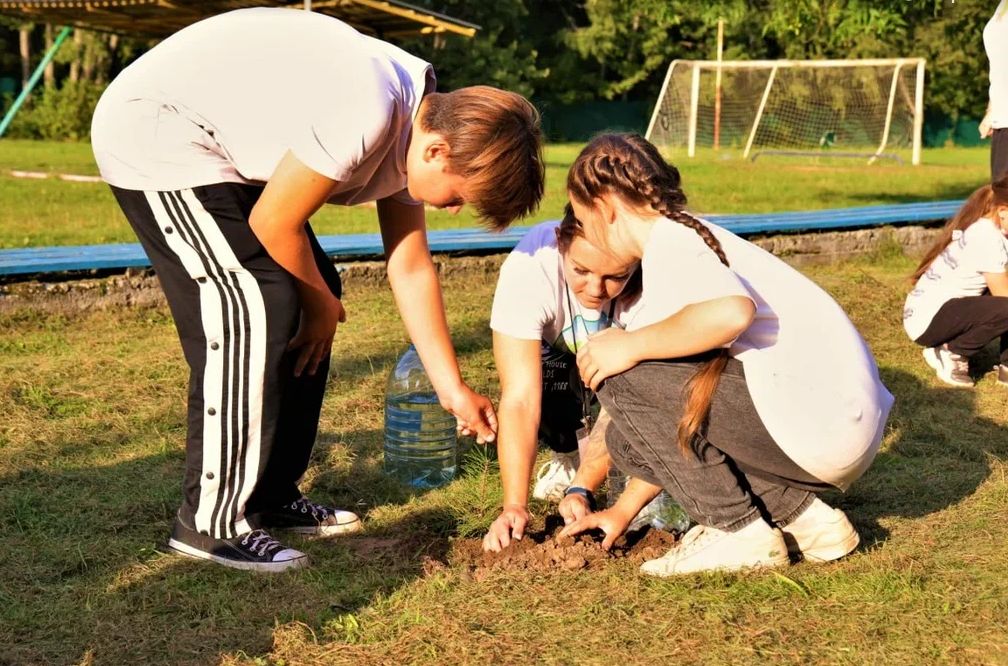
(737, 385)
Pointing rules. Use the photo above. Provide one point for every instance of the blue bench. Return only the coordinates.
(41, 260)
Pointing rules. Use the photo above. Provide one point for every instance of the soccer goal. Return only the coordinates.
(872, 109)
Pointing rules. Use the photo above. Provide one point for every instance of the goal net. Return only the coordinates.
(831, 108)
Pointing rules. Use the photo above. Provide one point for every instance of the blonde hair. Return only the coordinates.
(631, 168)
(495, 143)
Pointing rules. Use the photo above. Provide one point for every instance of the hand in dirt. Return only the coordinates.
(510, 525)
(573, 507)
(609, 521)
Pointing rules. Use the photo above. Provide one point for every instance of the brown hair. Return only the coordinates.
(980, 204)
(631, 168)
(570, 228)
(495, 143)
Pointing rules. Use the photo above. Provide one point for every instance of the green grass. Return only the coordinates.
(91, 429)
(54, 212)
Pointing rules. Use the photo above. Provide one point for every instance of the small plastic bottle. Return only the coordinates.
(421, 441)
(662, 513)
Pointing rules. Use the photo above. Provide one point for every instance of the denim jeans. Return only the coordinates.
(735, 473)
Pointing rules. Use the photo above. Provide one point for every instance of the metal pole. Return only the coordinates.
(759, 112)
(36, 75)
(694, 104)
(918, 114)
(717, 85)
(888, 118)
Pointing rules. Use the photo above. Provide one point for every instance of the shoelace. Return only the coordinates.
(304, 505)
(261, 540)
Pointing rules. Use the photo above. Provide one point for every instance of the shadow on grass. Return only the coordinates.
(944, 192)
(939, 457)
(88, 578)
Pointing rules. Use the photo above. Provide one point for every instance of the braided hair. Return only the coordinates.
(631, 168)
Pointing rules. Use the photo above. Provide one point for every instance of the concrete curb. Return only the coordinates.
(140, 289)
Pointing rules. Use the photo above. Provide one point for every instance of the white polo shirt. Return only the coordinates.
(811, 377)
(225, 98)
(957, 272)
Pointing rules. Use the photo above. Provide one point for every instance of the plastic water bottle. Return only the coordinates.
(421, 442)
(661, 513)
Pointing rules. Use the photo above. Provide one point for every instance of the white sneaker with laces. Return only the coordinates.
(951, 368)
(556, 476)
(821, 533)
(708, 548)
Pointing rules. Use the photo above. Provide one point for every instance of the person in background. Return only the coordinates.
(995, 120)
(959, 301)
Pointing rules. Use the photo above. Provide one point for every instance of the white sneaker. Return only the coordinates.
(556, 476)
(707, 548)
(951, 368)
(821, 533)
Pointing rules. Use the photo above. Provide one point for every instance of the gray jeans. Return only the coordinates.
(736, 472)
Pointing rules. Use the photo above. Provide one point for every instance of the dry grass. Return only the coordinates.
(91, 457)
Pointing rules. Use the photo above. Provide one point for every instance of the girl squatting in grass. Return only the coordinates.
(959, 302)
(219, 144)
(554, 290)
(738, 385)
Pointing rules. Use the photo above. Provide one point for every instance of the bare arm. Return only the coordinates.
(519, 366)
(294, 192)
(997, 283)
(417, 293)
(696, 328)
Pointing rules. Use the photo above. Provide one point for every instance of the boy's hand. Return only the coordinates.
(475, 413)
(509, 526)
(603, 356)
(314, 336)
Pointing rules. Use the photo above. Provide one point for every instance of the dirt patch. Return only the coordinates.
(543, 550)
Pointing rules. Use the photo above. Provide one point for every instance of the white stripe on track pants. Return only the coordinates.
(251, 424)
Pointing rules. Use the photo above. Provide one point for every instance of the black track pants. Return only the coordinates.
(251, 424)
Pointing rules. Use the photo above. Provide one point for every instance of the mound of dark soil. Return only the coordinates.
(543, 550)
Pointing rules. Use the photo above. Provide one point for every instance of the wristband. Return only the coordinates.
(583, 492)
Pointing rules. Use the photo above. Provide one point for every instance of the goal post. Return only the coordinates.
(870, 108)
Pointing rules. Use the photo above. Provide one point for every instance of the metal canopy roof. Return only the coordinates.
(159, 18)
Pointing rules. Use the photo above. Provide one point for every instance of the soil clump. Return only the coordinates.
(543, 550)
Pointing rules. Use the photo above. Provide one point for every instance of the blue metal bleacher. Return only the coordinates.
(43, 260)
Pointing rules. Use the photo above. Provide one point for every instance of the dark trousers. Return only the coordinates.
(563, 397)
(968, 324)
(251, 423)
(735, 473)
(999, 153)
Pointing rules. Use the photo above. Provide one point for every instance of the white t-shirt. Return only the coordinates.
(955, 273)
(533, 302)
(811, 376)
(995, 39)
(224, 99)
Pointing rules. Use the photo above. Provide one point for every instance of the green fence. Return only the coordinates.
(581, 121)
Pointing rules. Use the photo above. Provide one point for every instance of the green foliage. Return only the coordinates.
(58, 114)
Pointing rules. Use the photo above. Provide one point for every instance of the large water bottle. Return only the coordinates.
(421, 442)
(661, 513)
